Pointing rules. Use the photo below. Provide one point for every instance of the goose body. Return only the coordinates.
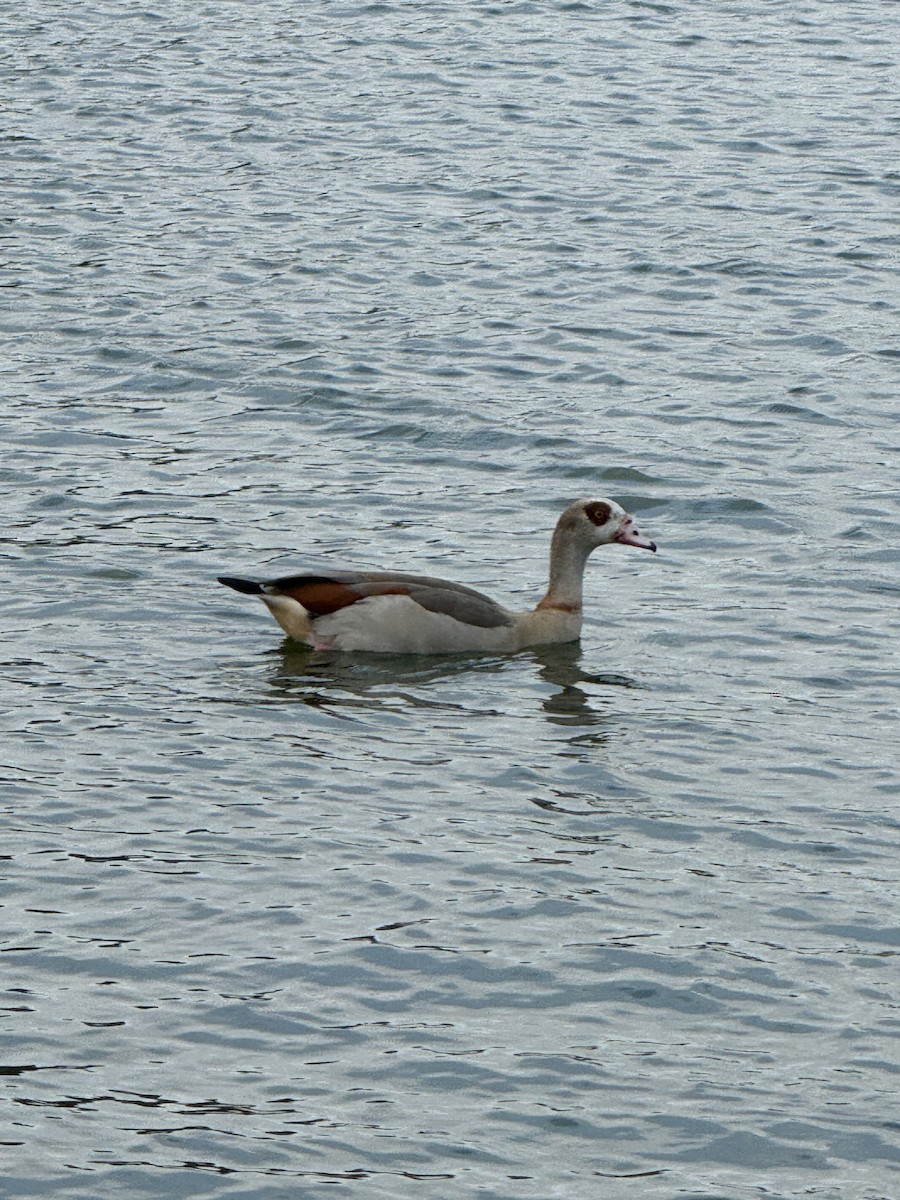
(395, 613)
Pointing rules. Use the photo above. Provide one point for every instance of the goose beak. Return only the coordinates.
(629, 536)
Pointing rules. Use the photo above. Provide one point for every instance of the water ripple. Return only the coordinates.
(389, 283)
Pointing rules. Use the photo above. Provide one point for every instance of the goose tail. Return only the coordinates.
(247, 586)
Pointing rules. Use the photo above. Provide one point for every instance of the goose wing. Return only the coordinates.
(321, 594)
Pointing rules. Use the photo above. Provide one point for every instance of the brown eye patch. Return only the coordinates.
(598, 512)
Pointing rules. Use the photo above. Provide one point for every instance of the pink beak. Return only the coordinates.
(629, 536)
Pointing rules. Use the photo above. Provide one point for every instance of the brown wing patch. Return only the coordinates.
(322, 596)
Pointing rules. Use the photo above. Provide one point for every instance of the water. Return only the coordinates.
(388, 285)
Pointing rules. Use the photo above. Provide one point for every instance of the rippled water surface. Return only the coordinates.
(294, 285)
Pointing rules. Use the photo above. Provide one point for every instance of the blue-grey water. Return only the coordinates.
(388, 284)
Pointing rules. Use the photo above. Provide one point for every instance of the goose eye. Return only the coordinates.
(598, 512)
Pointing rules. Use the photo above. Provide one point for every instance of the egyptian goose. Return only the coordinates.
(393, 613)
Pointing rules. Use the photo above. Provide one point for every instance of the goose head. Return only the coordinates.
(601, 522)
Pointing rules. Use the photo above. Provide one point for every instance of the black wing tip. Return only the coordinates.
(247, 586)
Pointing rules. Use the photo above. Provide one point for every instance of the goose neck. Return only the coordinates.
(567, 559)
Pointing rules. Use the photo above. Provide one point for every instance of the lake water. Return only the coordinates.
(388, 285)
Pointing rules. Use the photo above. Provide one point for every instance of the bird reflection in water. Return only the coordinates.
(572, 705)
(337, 680)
